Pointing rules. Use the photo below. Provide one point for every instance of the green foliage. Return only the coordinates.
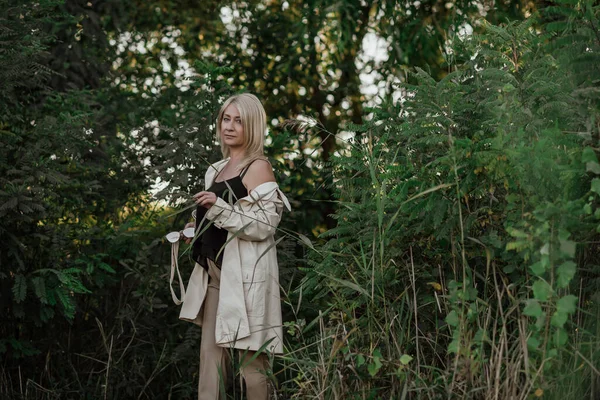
(466, 224)
(34, 170)
(74, 217)
(462, 260)
(181, 154)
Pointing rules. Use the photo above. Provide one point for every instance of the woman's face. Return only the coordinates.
(232, 130)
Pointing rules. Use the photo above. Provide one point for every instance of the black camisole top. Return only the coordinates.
(211, 241)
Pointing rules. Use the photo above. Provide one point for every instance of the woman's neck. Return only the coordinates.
(236, 156)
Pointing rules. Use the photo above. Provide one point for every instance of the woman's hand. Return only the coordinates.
(205, 199)
(187, 239)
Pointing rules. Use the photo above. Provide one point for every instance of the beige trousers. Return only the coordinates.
(215, 360)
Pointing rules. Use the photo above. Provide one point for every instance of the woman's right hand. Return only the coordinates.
(188, 225)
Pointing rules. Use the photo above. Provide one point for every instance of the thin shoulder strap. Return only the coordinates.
(248, 166)
(246, 169)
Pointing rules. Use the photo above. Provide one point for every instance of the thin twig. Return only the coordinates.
(108, 367)
(412, 278)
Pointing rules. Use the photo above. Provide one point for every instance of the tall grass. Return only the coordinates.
(386, 335)
(464, 261)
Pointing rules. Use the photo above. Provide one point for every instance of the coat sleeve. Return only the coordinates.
(249, 220)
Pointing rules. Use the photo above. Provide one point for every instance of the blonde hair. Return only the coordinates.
(254, 122)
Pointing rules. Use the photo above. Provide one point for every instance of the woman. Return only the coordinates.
(233, 292)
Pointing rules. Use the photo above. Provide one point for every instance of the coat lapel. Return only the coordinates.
(212, 171)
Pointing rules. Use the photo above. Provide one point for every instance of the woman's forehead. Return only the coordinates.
(231, 111)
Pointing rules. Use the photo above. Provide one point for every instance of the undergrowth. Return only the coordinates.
(464, 262)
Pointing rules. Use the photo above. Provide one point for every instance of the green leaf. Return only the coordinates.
(39, 288)
(541, 290)
(346, 283)
(454, 346)
(375, 366)
(595, 185)
(67, 303)
(517, 233)
(565, 306)
(533, 309)
(63, 277)
(508, 269)
(51, 296)
(566, 272)
(559, 318)
(560, 337)
(306, 241)
(533, 343)
(360, 360)
(106, 267)
(377, 354)
(452, 319)
(372, 368)
(589, 155)
(538, 268)
(567, 247)
(567, 303)
(517, 245)
(405, 359)
(593, 167)
(19, 288)
(540, 322)
(480, 336)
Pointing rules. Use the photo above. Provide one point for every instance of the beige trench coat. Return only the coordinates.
(249, 310)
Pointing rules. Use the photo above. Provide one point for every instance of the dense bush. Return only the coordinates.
(464, 262)
(82, 299)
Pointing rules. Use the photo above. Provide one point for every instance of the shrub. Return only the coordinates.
(464, 261)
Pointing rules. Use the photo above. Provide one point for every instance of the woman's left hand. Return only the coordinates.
(205, 199)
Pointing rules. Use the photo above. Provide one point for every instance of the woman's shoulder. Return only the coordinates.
(258, 172)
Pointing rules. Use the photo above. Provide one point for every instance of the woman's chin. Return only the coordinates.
(233, 144)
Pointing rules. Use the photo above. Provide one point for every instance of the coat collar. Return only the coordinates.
(265, 190)
(213, 170)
